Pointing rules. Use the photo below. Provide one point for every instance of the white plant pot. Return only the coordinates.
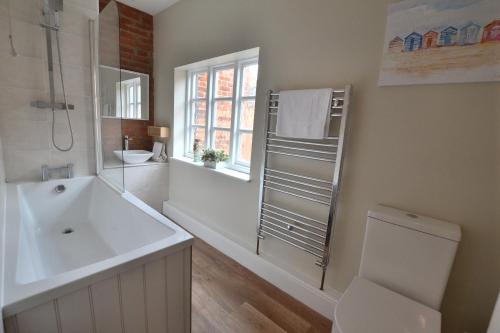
(212, 164)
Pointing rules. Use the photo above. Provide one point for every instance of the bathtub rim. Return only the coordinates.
(20, 297)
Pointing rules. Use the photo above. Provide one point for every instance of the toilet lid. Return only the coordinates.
(368, 307)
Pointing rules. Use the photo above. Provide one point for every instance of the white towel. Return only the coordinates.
(304, 114)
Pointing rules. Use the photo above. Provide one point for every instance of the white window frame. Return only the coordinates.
(122, 98)
(210, 99)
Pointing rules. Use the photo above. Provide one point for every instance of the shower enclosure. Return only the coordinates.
(123, 100)
(107, 75)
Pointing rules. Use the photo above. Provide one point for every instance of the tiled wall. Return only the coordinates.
(2, 210)
(136, 54)
(26, 131)
(149, 182)
(2, 169)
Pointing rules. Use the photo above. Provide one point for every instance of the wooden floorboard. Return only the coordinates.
(227, 297)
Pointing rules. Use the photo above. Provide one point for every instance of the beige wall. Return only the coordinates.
(428, 149)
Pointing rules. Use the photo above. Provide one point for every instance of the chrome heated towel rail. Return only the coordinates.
(295, 228)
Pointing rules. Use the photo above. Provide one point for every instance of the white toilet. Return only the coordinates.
(404, 269)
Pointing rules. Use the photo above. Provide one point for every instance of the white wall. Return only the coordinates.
(26, 131)
(429, 149)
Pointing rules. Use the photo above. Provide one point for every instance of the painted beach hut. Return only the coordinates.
(413, 42)
(491, 32)
(430, 39)
(448, 36)
(469, 34)
(396, 44)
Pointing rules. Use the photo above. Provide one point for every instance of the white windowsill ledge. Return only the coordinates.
(222, 171)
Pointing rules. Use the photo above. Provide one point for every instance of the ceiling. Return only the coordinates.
(152, 7)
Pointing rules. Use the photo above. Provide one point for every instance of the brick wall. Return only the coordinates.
(136, 54)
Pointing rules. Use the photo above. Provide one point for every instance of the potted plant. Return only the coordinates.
(212, 158)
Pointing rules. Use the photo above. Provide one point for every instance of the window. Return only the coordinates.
(128, 93)
(220, 110)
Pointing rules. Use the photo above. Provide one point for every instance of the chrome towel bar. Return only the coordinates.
(294, 226)
(300, 183)
(275, 221)
(297, 195)
(301, 156)
(299, 176)
(296, 215)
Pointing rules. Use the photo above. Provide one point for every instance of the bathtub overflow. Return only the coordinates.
(67, 231)
(60, 188)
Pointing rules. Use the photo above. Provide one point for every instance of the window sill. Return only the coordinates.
(245, 177)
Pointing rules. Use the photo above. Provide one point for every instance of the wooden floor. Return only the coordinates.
(229, 298)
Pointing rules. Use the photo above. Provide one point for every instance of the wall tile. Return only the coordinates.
(27, 131)
(28, 38)
(22, 72)
(2, 167)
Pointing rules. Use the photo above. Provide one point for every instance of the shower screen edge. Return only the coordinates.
(94, 68)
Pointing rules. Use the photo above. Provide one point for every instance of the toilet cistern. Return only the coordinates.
(405, 265)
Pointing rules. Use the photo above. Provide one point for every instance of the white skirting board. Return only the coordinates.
(309, 295)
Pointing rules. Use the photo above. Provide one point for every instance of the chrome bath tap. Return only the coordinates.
(67, 171)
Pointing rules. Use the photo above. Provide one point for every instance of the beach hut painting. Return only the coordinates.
(441, 41)
(431, 39)
(448, 36)
(469, 33)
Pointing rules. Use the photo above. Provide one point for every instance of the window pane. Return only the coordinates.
(139, 93)
(199, 113)
(222, 140)
(197, 133)
(201, 84)
(247, 114)
(245, 147)
(224, 82)
(222, 116)
(131, 94)
(250, 74)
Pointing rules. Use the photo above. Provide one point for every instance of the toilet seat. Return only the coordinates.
(367, 307)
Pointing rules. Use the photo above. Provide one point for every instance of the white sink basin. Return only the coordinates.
(133, 156)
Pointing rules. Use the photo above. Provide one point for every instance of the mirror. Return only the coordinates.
(125, 98)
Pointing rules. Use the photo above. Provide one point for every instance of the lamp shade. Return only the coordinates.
(159, 132)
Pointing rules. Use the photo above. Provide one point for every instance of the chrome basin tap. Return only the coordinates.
(126, 140)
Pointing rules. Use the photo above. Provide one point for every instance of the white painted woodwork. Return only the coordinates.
(75, 312)
(156, 296)
(38, 320)
(106, 305)
(133, 307)
(152, 297)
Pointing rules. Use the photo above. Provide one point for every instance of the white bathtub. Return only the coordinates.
(59, 243)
